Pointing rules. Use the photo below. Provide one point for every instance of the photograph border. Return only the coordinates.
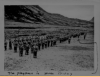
(53, 2)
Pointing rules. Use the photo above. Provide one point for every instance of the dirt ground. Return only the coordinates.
(62, 57)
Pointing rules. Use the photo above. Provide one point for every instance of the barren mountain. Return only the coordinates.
(92, 20)
(35, 14)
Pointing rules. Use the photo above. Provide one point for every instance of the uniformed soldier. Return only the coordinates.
(45, 43)
(78, 36)
(10, 44)
(48, 42)
(5, 45)
(42, 41)
(21, 49)
(15, 45)
(27, 49)
(69, 40)
(24, 44)
(85, 35)
(31, 46)
(29, 42)
(55, 42)
(39, 44)
(23, 39)
(82, 33)
(34, 50)
(18, 40)
(75, 35)
(51, 42)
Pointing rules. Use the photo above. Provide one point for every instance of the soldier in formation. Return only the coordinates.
(5, 45)
(35, 49)
(15, 44)
(10, 44)
(27, 49)
(36, 44)
(21, 48)
(85, 35)
(69, 40)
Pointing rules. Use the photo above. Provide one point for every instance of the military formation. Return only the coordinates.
(24, 44)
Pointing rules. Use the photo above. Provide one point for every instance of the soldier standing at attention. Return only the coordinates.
(35, 50)
(27, 49)
(32, 47)
(29, 42)
(85, 35)
(45, 42)
(48, 42)
(20, 49)
(78, 36)
(5, 44)
(51, 42)
(15, 46)
(10, 44)
(42, 43)
(54, 41)
(39, 44)
(69, 40)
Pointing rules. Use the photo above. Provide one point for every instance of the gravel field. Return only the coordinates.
(62, 57)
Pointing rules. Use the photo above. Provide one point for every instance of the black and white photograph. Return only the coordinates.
(49, 37)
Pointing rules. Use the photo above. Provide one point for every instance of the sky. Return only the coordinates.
(85, 12)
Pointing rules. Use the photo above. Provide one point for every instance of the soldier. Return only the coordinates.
(69, 40)
(18, 40)
(42, 43)
(82, 33)
(23, 39)
(51, 42)
(20, 49)
(5, 45)
(15, 45)
(24, 44)
(78, 36)
(85, 35)
(29, 42)
(55, 42)
(27, 49)
(34, 49)
(45, 43)
(39, 45)
(10, 44)
(48, 42)
(32, 46)
(75, 35)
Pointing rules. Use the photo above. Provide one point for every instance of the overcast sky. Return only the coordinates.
(85, 12)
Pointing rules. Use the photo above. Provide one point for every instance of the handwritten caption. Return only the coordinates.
(39, 73)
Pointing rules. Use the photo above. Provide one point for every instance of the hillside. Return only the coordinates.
(35, 14)
(92, 20)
